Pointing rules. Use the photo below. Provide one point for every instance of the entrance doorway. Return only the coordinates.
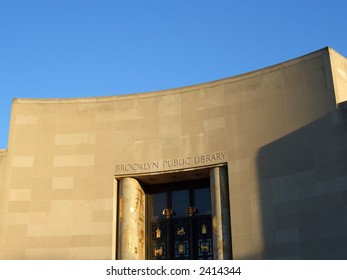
(179, 221)
(173, 215)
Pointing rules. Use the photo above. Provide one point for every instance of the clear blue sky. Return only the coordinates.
(81, 48)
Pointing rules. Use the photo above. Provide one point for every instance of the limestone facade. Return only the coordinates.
(74, 167)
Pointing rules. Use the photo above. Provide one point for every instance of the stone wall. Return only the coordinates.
(277, 129)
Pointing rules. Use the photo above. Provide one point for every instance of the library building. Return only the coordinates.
(252, 166)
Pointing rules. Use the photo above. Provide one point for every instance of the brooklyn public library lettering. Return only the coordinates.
(170, 163)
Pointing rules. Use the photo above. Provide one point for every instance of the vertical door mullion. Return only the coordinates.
(169, 228)
(191, 225)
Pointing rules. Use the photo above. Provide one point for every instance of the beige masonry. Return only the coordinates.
(272, 143)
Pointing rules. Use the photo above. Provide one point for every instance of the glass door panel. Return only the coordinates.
(158, 202)
(202, 201)
(180, 202)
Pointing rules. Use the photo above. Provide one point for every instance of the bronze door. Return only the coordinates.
(180, 222)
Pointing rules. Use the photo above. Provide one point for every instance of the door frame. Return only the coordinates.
(220, 200)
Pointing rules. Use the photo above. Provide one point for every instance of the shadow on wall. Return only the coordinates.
(303, 191)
